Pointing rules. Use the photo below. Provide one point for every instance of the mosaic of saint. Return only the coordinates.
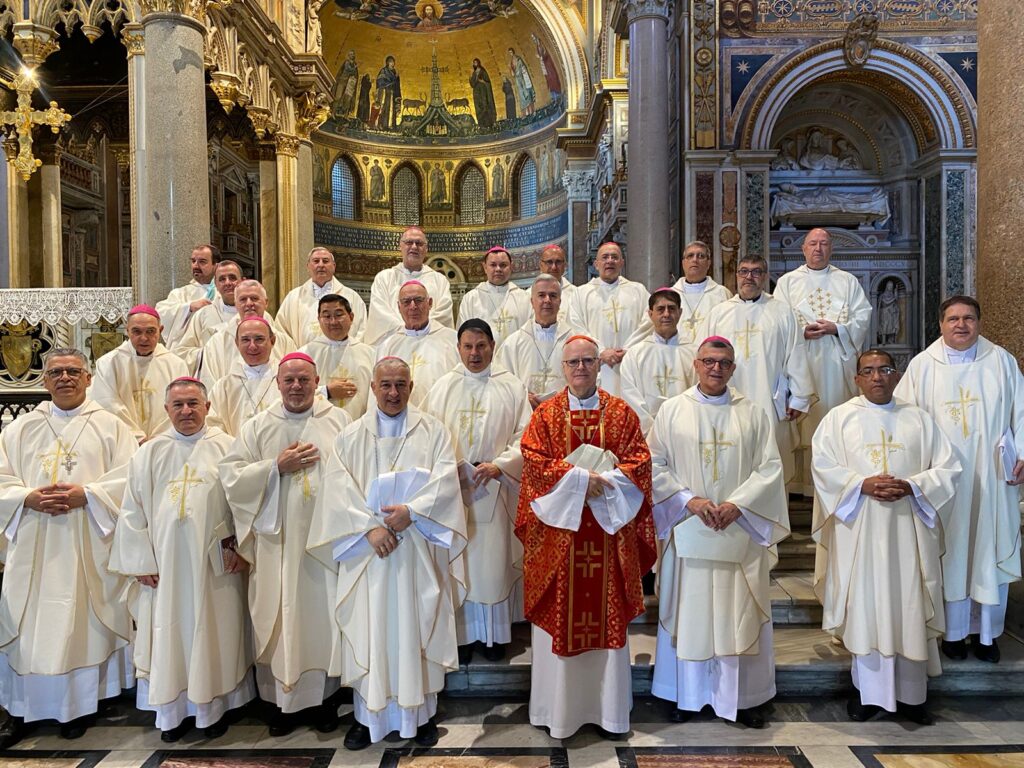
(445, 71)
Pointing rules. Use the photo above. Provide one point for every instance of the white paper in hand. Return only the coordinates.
(695, 540)
(394, 488)
(1008, 454)
(593, 458)
(780, 396)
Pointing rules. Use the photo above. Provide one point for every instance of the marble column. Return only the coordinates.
(647, 220)
(1000, 174)
(304, 197)
(51, 242)
(578, 185)
(174, 201)
(268, 220)
(287, 212)
(17, 223)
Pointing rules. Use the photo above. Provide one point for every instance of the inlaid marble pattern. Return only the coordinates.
(1011, 756)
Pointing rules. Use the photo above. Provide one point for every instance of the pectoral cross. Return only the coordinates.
(691, 324)
(468, 417)
(880, 451)
(957, 409)
(711, 449)
(179, 488)
(588, 559)
(539, 381)
(60, 455)
(341, 372)
(611, 314)
(141, 398)
(745, 333)
(501, 320)
(585, 631)
(23, 117)
(661, 381)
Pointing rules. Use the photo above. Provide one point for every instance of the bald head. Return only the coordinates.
(608, 262)
(413, 247)
(817, 248)
(414, 304)
(297, 382)
(392, 385)
(580, 365)
(553, 261)
(255, 341)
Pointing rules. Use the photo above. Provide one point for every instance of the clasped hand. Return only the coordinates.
(57, 499)
(718, 517)
(341, 389)
(820, 329)
(597, 485)
(885, 488)
(483, 472)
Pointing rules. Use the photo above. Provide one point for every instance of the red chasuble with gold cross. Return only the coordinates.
(583, 588)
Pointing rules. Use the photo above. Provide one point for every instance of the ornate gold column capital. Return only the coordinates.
(134, 38)
(312, 108)
(34, 42)
(10, 149)
(228, 88)
(261, 119)
(287, 144)
(195, 9)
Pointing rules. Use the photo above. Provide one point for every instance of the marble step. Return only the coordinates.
(796, 553)
(807, 662)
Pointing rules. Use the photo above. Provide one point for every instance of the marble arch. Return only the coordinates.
(950, 108)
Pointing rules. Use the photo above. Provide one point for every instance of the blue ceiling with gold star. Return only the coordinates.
(965, 64)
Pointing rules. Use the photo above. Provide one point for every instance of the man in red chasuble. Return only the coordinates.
(585, 521)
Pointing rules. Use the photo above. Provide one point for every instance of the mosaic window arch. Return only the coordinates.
(525, 203)
(344, 190)
(406, 197)
(471, 190)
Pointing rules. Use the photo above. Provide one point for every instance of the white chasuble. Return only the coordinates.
(243, 393)
(174, 310)
(132, 387)
(883, 587)
(220, 352)
(344, 360)
(568, 291)
(609, 313)
(63, 628)
(486, 414)
(429, 353)
(979, 406)
(291, 593)
(534, 356)
(298, 312)
(771, 362)
(383, 317)
(504, 307)
(653, 371)
(698, 299)
(835, 295)
(396, 614)
(192, 645)
(201, 328)
(721, 449)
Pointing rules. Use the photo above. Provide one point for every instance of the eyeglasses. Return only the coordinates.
(417, 300)
(885, 370)
(576, 362)
(710, 362)
(417, 243)
(696, 257)
(750, 272)
(54, 374)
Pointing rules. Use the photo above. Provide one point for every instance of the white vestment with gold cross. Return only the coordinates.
(882, 589)
(430, 353)
(383, 316)
(174, 311)
(653, 371)
(715, 617)
(245, 392)
(298, 312)
(698, 299)
(486, 414)
(344, 360)
(609, 313)
(534, 356)
(504, 307)
(132, 387)
(192, 645)
(979, 405)
(220, 352)
(291, 593)
(64, 631)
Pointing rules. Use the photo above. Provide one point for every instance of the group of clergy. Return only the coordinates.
(335, 497)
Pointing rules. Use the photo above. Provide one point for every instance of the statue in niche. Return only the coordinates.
(849, 158)
(345, 87)
(314, 35)
(483, 96)
(437, 186)
(542, 181)
(376, 181)
(498, 181)
(786, 161)
(815, 156)
(889, 320)
(822, 205)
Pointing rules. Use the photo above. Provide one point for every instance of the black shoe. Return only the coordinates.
(955, 649)
(326, 719)
(216, 730)
(75, 729)
(465, 654)
(860, 713)
(426, 734)
(494, 652)
(989, 653)
(282, 724)
(677, 715)
(174, 734)
(915, 713)
(610, 735)
(752, 717)
(358, 737)
(12, 731)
